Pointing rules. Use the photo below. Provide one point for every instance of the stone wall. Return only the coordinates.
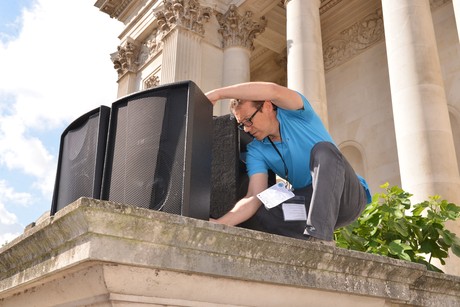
(98, 253)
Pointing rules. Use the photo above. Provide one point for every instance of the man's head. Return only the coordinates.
(255, 117)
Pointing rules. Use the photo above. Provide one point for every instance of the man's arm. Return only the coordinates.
(247, 206)
(279, 95)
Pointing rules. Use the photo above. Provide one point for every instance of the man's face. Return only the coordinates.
(251, 119)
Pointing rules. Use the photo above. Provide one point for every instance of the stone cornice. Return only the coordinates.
(238, 30)
(325, 5)
(113, 8)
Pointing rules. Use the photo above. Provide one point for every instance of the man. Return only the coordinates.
(290, 139)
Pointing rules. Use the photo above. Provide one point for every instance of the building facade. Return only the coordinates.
(384, 75)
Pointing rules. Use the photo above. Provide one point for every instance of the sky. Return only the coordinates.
(54, 67)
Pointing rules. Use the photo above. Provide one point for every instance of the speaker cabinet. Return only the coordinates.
(229, 178)
(81, 158)
(159, 150)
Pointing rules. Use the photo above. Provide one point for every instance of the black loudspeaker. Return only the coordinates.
(159, 150)
(81, 158)
(229, 177)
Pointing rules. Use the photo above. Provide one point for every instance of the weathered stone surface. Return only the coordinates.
(98, 253)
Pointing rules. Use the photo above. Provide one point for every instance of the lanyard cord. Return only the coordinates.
(285, 167)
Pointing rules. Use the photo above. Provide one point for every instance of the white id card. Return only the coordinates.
(275, 195)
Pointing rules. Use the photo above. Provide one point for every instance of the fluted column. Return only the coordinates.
(182, 27)
(181, 56)
(305, 67)
(425, 144)
(238, 34)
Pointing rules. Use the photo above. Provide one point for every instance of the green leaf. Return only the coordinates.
(419, 208)
(428, 246)
(401, 227)
(439, 253)
(455, 249)
(447, 236)
(397, 248)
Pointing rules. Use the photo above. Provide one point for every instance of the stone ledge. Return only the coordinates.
(104, 234)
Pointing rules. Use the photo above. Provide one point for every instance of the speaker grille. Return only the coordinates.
(144, 154)
(81, 157)
(156, 140)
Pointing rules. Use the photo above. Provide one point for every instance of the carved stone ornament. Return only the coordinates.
(186, 13)
(239, 30)
(150, 47)
(125, 59)
(151, 81)
(359, 37)
(354, 40)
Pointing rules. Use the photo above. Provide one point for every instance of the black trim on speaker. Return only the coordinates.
(81, 158)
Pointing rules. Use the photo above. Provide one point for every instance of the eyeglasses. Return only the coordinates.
(248, 122)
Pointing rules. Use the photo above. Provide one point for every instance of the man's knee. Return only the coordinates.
(324, 150)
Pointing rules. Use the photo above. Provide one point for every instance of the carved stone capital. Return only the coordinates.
(239, 30)
(125, 59)
(186, 13)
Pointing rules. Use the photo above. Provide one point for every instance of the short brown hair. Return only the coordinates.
(236, 103)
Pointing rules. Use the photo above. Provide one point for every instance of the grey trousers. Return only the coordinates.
(335, 198)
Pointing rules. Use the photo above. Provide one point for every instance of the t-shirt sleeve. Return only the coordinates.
(255, 164)
(307, 108)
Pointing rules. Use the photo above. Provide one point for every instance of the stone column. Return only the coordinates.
(456, 4)
(124, 61)
(238, 34)
(181, 24)
(181, 56)
(305, 53)
(424, 139)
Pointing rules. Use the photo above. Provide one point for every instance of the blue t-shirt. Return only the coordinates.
(300, 131)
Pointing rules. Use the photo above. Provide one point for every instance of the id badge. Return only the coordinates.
(275, 195)
(294, 209)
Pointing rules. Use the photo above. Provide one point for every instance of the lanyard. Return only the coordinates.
(284, 163)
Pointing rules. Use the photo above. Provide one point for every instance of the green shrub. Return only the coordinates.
(390, 226)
